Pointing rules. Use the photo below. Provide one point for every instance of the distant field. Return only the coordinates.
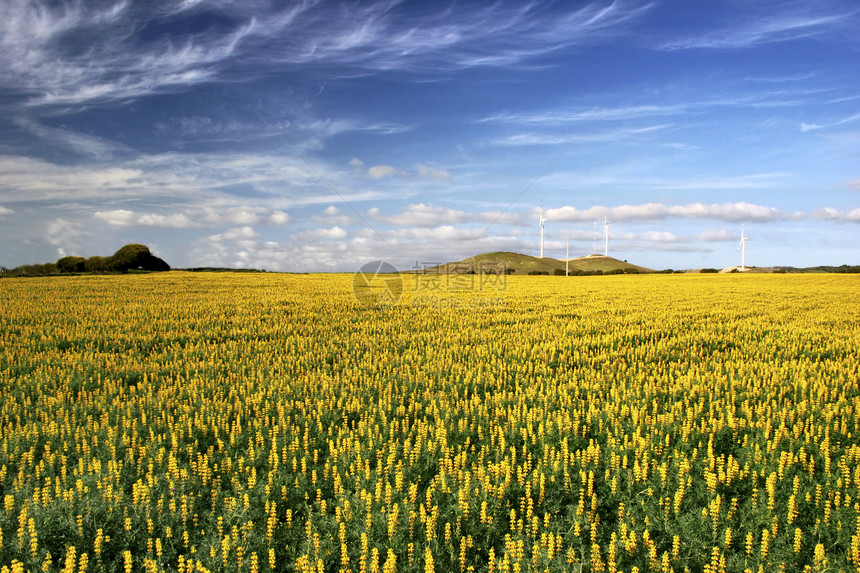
(256, 422)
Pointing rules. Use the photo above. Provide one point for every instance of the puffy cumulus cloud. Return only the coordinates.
(356, 163)
(658, 236)
(233, 216)
(126, 218)
(428, 172)
(243, 233)
(331, 215)
(442, 232)
(381, 172)
(831, 214)
(244, 215)
(317, 251)
(329, 234)
(733, 212)
(279, 218)
(420, 215)
(194, 217)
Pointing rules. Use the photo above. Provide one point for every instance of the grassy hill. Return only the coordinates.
(524, 264)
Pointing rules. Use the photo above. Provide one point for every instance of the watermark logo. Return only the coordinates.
(377, 284)
(437, 285)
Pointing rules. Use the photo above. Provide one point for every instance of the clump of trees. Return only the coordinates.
(129, 258)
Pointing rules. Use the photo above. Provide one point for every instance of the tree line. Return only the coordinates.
(128, 258)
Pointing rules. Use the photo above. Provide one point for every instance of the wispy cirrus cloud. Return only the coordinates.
(170, 176)
(75, 53)
(562, 115)
(753, 29)
(86, 145)
(65, 53)
(613, 135)
(816, 126)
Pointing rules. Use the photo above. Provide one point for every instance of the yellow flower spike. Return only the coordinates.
(819, 558)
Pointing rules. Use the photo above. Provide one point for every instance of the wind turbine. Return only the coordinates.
(542, 221)
(742, 247)
(567, 259)
(606, 235)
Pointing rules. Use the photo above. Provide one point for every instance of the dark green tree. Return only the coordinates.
(96, 264)
(71, 264)
(135, 256)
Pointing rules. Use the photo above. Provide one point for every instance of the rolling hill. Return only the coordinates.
(520, 264)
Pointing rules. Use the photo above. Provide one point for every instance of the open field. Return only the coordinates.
(255, 422)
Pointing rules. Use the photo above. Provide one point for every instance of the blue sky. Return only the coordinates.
(317, 136)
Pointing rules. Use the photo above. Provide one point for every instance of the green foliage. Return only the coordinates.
(71, 264)
(96, 264)
(129, 258)
(136, 256)
(265, 396)
(42, 270)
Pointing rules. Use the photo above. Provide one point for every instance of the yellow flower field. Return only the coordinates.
(256, 422)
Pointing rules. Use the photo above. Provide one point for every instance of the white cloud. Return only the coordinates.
(5, 211)
(195, 217)
(331, 215)
(65, 234)
(831, 214)
(381, 172)
(81, 143)
(566, 138)
(36, 56)
(734, 212)
(441, 233)
(657, 236)
(756, 29)
(236, 234)
(331, 233)
(420, 215)
(279, 218)
(168, 176)
(717, 235)
(814, 127)
(126, 218)
(428, 172)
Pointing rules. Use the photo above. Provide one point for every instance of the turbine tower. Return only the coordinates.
(742, 247)
(606, 235)
(542, 221)
(567, 259)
